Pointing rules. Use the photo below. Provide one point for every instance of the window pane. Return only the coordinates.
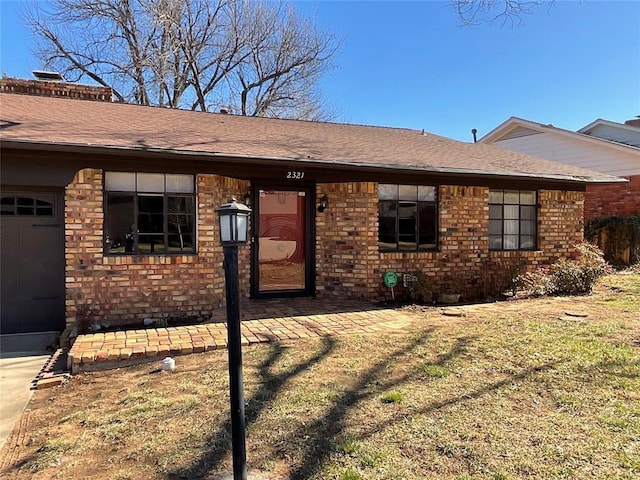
(495, 243)
(527, 197)
(426, 194)
(495, 196)
(44, 211)
(428, 224)
(528, 242)
(512, 196)
(180, 224)
(179, 183)
(387, 225)
(120, 225)
(8, 205)
(120, 181)
(408, 192)
(25, 210)
(407, 226)
(26, 201)
(149, 243)
(528, 213)
(181, 243)
(511, 227)
(387, 191)
(150, 182)
(150, 214)
(511, 212)
(182, 205)
(495, 227)
(527, 227)
(495, 212)
(510, 242)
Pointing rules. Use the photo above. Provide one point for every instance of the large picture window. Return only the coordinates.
(149, 213)
(407, 217)
(512, 220)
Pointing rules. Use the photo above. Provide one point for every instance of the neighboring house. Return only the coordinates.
(627, 133)
(607, 147)
(108, 209)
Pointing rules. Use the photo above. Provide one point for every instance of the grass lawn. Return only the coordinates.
(511, 390)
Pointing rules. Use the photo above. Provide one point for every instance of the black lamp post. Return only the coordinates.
(234, 220)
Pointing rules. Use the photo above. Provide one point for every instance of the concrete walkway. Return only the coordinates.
(22, 358)
(262, 321)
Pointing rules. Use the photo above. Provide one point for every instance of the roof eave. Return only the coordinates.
(120, 151)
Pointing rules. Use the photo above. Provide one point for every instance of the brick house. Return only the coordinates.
(108, 208)
(607, 147)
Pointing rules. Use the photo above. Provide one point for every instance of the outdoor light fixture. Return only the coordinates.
(324, 201)
(247, 198)
(234, 221)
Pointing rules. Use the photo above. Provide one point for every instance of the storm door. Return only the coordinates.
(283, 242)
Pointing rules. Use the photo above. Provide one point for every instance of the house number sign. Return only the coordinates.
(295, 175)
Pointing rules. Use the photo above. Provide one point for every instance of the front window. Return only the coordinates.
(407, 217)
(512, 219)
(149, 213)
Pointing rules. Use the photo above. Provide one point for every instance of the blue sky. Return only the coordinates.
(412, 64)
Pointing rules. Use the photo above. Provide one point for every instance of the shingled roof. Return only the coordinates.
(31, 120)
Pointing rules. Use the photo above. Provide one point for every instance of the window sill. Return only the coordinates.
(408, 252)
(497, 253)
(155, 259)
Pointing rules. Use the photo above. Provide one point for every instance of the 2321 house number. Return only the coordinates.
(293, 175)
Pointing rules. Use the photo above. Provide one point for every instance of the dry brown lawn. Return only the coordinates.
(511, 390)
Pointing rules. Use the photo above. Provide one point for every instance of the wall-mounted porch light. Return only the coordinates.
(247, 198)
(324, 201)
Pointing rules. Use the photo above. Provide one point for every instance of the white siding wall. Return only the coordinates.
(577, 153)
(622, 135)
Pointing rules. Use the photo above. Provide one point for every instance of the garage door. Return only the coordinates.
(32, 261)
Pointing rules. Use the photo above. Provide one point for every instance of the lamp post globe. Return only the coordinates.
(234, 222)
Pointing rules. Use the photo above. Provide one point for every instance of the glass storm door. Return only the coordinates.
(283, 244)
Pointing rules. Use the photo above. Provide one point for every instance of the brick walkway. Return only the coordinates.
(262, 321)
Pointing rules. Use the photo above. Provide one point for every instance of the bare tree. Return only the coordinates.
(473, 12)
(253, 57)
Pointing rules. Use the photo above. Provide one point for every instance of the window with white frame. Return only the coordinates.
(512, 220)
(407, 217)
(149, 213)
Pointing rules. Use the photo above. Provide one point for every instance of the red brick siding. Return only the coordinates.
(56, 89)
(126, 289)
(346, 239)
(129, 288)
(349, 263)
(613, 200)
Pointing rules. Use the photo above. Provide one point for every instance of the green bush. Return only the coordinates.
(567, 277)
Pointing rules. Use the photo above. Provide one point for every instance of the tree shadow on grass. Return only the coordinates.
(324, 433)
(220, 441)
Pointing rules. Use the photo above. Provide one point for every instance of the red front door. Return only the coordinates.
(282, 242)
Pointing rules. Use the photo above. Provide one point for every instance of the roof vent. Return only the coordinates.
(44, 75)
